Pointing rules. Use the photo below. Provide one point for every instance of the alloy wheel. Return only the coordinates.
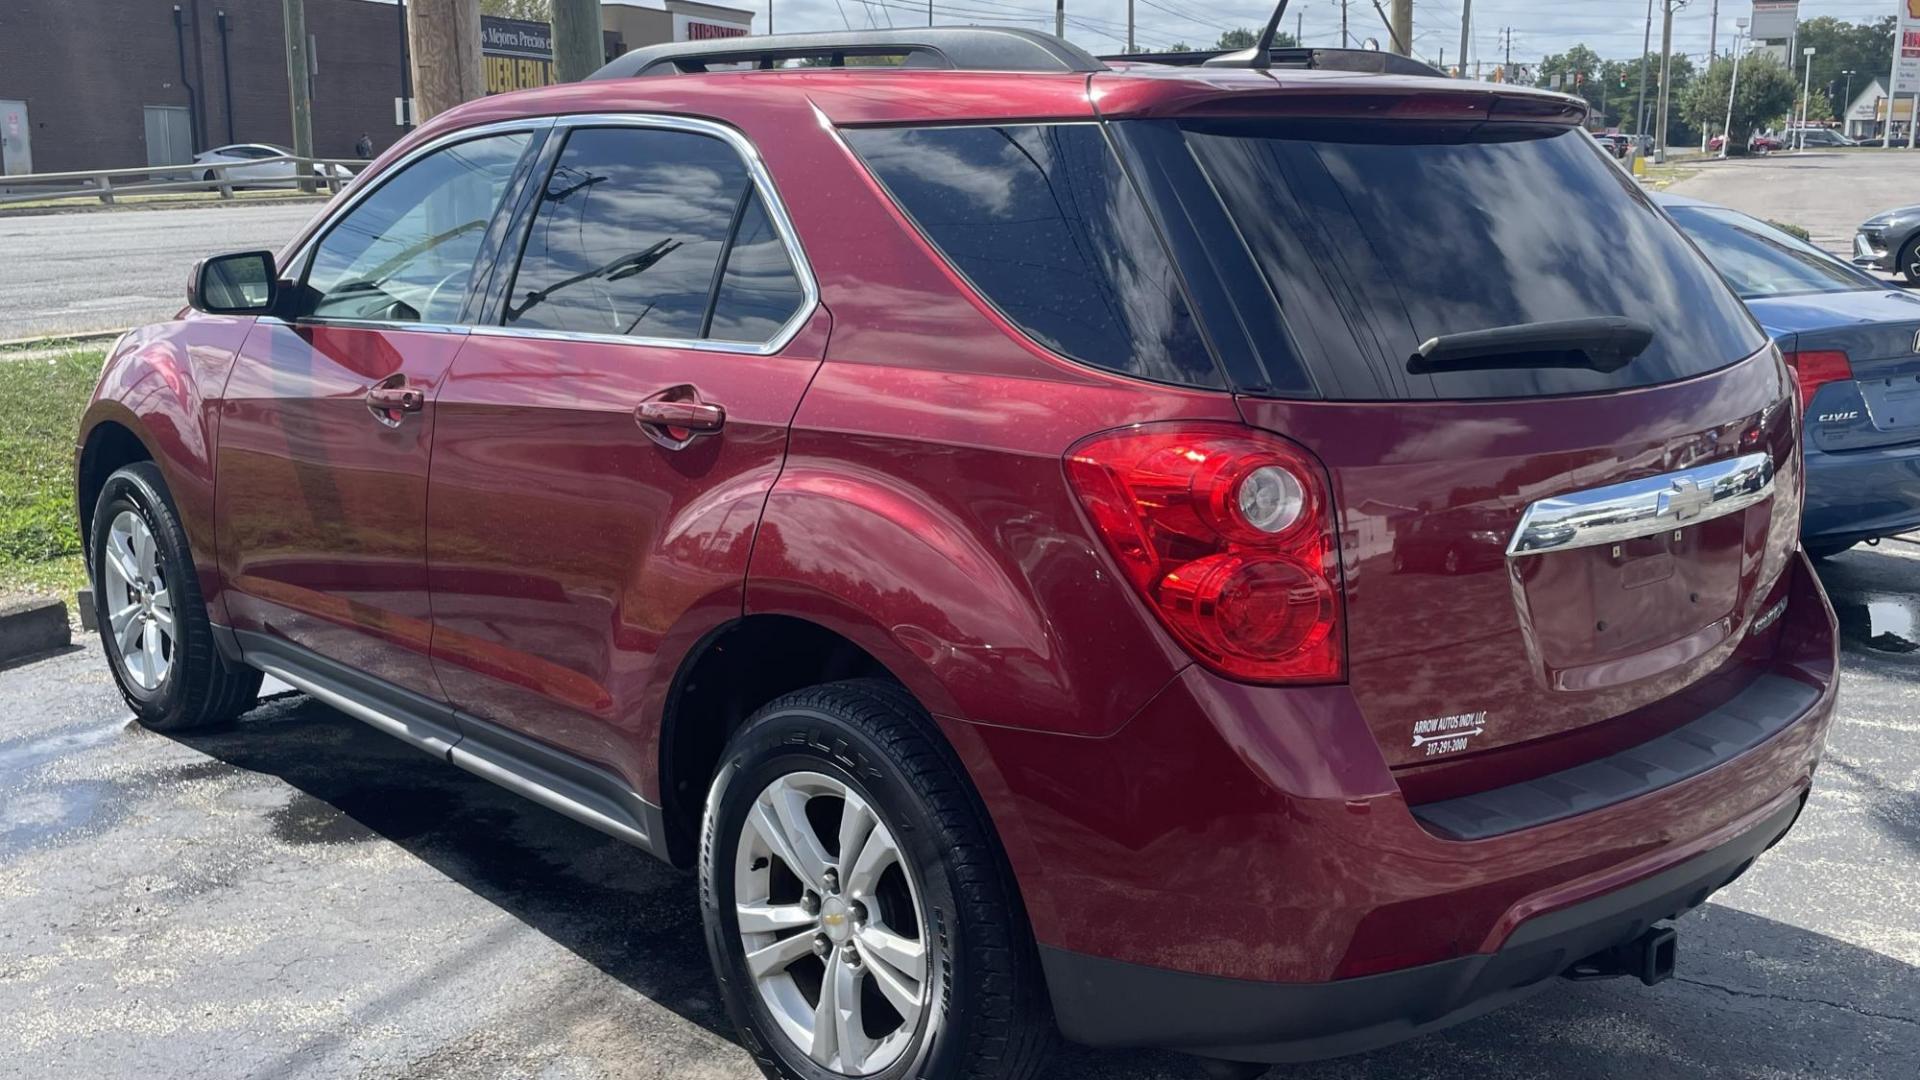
(831, 924)
(139, 604)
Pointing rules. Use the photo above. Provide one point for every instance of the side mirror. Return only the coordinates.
(242, 283)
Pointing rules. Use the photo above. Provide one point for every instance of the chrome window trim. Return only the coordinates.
(358, 193)
(1645, 507)
(769, 198)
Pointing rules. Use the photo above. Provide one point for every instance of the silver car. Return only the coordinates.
(261, 165)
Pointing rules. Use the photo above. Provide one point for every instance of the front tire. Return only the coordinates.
(1908, 265)
(153, 622)
(861, 917)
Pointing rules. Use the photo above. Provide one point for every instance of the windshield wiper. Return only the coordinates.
(1604, 344)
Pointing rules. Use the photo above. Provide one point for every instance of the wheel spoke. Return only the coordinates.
(118, 620)
(120, 559)
(902, 990)
(129, 640)
(904, 955)
(150, 647)
(771, 918)
(143, 551)
(163, 611)
(775, 836)
(850, 1032)
(875, 856)
(826, 1027)
(776, 957)
(856, 825)
(790, 807)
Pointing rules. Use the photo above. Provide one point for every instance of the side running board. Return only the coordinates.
(555, 779)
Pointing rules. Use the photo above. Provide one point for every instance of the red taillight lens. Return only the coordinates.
(1228, 533)
(1815, 369)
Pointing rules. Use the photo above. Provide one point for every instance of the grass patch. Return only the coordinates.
(41, 398)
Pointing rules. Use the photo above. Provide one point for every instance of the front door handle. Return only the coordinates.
(391, 399)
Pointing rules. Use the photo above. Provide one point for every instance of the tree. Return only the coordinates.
(1866, 49)
(533, 10)
(1244, 37)
(1819, 108)
(1179, 46)
(1765, 94)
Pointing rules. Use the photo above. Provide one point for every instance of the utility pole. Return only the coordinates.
(1466, 22)
(1060, 18)
(1506, 68)
(446, 53)
(1344, 39)
(577, 48)
(1733, 87)
(406, 70)
(1299, 27)
(1129, 23)
(1666, 72)
(1713, 49)
(299, 86)
(1402, 27)
(1646, 46)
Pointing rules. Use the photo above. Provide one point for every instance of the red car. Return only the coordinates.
(959, 508)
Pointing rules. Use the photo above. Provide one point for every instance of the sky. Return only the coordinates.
(1613, 28)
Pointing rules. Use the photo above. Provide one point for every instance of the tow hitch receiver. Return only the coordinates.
(1648, 958)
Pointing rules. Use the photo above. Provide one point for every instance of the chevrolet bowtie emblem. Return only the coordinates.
(1683, 501)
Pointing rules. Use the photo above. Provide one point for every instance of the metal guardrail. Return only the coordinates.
(106, 184)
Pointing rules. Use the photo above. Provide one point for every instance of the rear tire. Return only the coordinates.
(153, 621)
(939, 893)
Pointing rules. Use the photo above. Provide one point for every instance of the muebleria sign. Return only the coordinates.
(517, 54)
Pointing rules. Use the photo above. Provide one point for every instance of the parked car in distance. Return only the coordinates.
(1817, 137)
(1613, 143)
(262, 165)
(1053, 640)
(1854, 344)
(1757, 143)
(1890, 241)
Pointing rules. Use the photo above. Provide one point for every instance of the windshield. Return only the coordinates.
(1377, 238)
(1760, 261)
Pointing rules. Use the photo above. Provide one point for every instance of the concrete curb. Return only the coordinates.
(28, 627)
(54, 341)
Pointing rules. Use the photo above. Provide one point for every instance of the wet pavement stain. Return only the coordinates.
(1882, 622)
(350, 819)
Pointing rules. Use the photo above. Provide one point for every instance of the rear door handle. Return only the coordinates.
(675, 417)
(700, 417)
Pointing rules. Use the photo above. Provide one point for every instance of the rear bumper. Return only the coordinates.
(1861, 494)
(1109, 1003)
(1238, 873)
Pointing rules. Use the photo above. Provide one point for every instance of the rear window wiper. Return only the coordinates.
(1604, 344)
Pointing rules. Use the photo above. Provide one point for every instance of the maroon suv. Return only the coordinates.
(1264, 563)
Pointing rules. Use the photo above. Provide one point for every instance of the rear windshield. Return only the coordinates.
(1760, 261)
(1377, 237)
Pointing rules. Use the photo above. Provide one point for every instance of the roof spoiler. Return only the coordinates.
(1366, 61)
(952, 48)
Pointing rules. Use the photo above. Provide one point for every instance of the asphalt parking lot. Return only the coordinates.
(304, 897)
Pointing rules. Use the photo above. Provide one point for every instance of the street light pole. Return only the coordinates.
(1806, 92)
(1646, 46)
(1733, 84)
(1666, 74)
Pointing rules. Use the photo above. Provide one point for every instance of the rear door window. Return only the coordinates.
(1760, 261)
(1376, 237)
(1043, 223)
(653, 233)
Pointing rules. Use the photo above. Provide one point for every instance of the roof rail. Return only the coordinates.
(957, 48)
(1363, 60)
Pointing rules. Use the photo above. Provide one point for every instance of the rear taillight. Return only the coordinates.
(1228, 533)
(1814, 369)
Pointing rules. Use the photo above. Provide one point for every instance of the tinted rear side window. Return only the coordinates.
(1378, 237)
(1043, 223)
(628, 234)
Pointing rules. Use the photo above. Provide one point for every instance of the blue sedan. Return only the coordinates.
(1854, 343)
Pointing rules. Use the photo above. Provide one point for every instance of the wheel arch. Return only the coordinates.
(108, 446)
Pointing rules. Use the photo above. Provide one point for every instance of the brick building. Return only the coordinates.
(99, 84)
